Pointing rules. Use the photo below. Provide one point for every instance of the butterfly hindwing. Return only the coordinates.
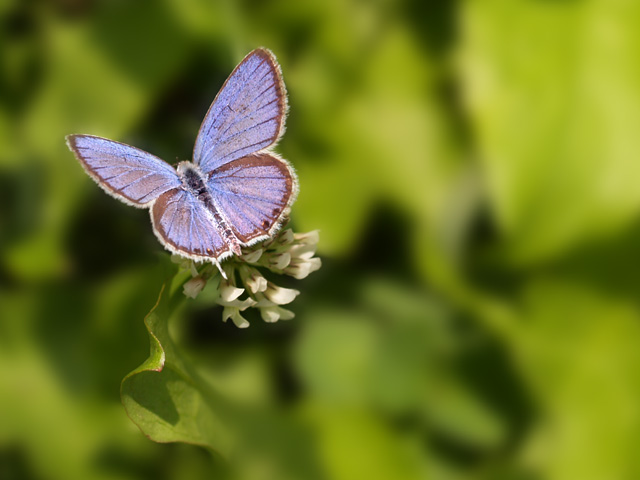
(254, 194)
(246, 116)
(128, 173)
(184, 226)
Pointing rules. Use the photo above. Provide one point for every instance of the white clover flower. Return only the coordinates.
(274, 313)
(287, 253)
(241, 305)
(280, 261)
(286, 237)
(301, 268)
(253, 281)
(308, 238)
(280, 295)
(257, 283)
(234, 314)
(303, 251)
(228, 293)
(252, 257)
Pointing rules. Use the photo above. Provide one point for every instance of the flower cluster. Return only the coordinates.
(287, 253)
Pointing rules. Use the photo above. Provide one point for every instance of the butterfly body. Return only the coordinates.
(234, 193)
(194, 182)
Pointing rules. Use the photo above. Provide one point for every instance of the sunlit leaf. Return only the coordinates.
(388, 127)
(580, 354)
(552, 91)
(395, 359)
(354, 443)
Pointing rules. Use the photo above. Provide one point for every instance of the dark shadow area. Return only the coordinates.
(107, 237)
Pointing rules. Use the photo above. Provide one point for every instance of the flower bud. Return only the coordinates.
(194, 286)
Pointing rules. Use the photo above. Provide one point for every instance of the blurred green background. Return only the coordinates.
(473, 168)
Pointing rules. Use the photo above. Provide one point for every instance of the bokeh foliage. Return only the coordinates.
(472, 167)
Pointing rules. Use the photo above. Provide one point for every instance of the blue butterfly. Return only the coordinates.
(236, 192)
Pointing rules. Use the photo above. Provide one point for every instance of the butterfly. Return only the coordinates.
(236, 191)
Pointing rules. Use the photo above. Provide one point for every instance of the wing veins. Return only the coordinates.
(242, 213)
(241, 87)
(152, 192)
(135, 181)
(228, 139)
(173, 217)
(243, 148)
(247, 116)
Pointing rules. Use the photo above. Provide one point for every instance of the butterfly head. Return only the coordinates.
(185, 168)
(192, 179)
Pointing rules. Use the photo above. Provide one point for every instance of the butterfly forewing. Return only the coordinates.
(246, 116)
(128, 173)
(186, 227)
(254, 194)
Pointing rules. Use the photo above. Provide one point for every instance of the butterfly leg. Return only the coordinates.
(217, 264)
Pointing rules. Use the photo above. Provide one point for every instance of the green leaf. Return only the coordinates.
(356, 443)
(172, 400)
(382, 101)
(62, 347)
(579, 354)
(392, 356)
(165, 396)
(95, 82)
(552, 89)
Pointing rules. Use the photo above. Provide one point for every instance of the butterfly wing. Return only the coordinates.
(184, 226)
(127, 173)
(254, 194)
(246, 116)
